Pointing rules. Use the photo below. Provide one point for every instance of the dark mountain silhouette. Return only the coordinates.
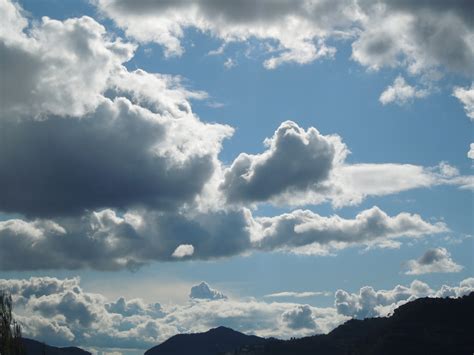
(425, 326)
(33, 347)
(215, 341)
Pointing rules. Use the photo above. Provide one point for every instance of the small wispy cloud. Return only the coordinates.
(215, 104)
(298, 294)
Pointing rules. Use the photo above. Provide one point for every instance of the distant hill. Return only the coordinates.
(213, 342)
(33, 347)
(425, 326)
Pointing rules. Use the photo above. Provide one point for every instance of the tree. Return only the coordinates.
(10, 329)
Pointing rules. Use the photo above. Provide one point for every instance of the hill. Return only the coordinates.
(215, 341)
(33, 347)
(424, 326)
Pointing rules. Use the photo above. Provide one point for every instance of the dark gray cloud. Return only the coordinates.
(108, 158)
(105, 241)
(295, 160)
(79, 132)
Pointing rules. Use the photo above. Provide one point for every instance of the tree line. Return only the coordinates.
(10, 329)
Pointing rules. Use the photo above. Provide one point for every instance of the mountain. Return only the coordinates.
(33, 347)
(424, 326)
(215, 341)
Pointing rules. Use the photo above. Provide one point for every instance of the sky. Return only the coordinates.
(274, 167)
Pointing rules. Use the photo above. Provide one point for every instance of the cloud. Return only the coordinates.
(81, 132)
(433, 260)
(299, 29)
(299, 318)
(300, 230)
(204, 291)
(466, 96)
(229, 63)
(378, 303)
(60, 312)
(301, 167)
(420, 37)
(183, 250)
(55, 67)
(111, 158)
(295, 160)
(64, 314)
(297, 294)
(400, 92)
(470, 153)
(115, 170)
(106, 241)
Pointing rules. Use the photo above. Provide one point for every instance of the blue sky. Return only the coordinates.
(338, 94)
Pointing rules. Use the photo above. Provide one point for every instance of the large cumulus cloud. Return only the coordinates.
(119, 156)
(295, 160)
(81, 132)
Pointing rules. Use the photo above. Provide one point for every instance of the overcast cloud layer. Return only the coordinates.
(107, 168)
(60, 312)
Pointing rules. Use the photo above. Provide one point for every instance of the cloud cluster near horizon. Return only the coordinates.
(60, 312)
(107, 168)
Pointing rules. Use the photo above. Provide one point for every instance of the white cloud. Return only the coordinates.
(60, 312)
(56, 67)
(419, 36)
(204, 291)
(300, 230)
(470, 153)
(304, 294)
(229, 63)
(300, 317)
(183, 250)
(400, 92)
(466, 96)
(433, 260)
(378, 303)
(299, 29)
